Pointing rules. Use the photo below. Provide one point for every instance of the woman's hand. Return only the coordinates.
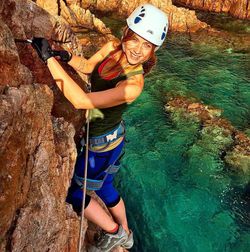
(43, 48)
(63, 55)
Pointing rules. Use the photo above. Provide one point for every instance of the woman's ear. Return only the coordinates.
(124, 34)
(123, 47)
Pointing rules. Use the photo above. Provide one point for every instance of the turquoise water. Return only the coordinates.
(180, 195)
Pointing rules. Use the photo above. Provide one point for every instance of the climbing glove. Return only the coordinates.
(65, 56)
(41, 45)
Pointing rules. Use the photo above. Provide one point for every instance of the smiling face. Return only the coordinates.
(137, 49)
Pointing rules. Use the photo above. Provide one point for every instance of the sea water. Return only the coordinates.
(179, 193)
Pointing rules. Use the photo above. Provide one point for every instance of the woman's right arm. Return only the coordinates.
(87, 66)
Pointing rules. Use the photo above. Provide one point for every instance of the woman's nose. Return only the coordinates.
(138, 49)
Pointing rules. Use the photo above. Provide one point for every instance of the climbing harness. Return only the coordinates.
(106, 139)
(109, 137)
(96, 184)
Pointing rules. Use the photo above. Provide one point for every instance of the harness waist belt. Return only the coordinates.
(108, 137)
(92, 184)
(95, 184)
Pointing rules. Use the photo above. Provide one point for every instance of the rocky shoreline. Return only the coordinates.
(236, 8)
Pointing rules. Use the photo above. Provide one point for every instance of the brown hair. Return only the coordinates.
(150, 63)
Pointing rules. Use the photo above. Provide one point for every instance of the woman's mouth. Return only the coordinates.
(134, 56)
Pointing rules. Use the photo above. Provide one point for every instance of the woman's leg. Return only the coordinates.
(114, 202)
(119, 214)
(93, 211)
(96, 214)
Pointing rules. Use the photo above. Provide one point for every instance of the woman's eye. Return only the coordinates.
(148, 46)
(132, 42)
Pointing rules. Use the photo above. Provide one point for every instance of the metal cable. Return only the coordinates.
(85, 181)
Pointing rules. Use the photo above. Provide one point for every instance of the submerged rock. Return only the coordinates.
(217, 134)
(239, 156)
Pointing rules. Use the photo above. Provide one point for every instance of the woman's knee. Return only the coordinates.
(113, 203)
(109, 195)
(75, 198)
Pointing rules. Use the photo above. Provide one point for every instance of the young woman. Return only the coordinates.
(117, 78)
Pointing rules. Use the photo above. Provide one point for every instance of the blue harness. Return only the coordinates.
(106, 139)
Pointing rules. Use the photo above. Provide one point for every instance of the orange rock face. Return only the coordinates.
(180, 19)
(237, 8)
(12, 72)
(36, 159)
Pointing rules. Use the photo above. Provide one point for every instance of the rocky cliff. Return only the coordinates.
(236, 8)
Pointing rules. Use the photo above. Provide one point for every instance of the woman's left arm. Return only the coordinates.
(126, 92)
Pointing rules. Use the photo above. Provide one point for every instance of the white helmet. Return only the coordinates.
(149, 22)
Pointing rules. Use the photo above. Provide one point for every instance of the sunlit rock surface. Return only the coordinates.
(37, 155)
(180, 19)
(237, 8)
(12, 71)
(74, 15)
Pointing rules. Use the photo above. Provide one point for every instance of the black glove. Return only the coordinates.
(65, 56)
(41, 45)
